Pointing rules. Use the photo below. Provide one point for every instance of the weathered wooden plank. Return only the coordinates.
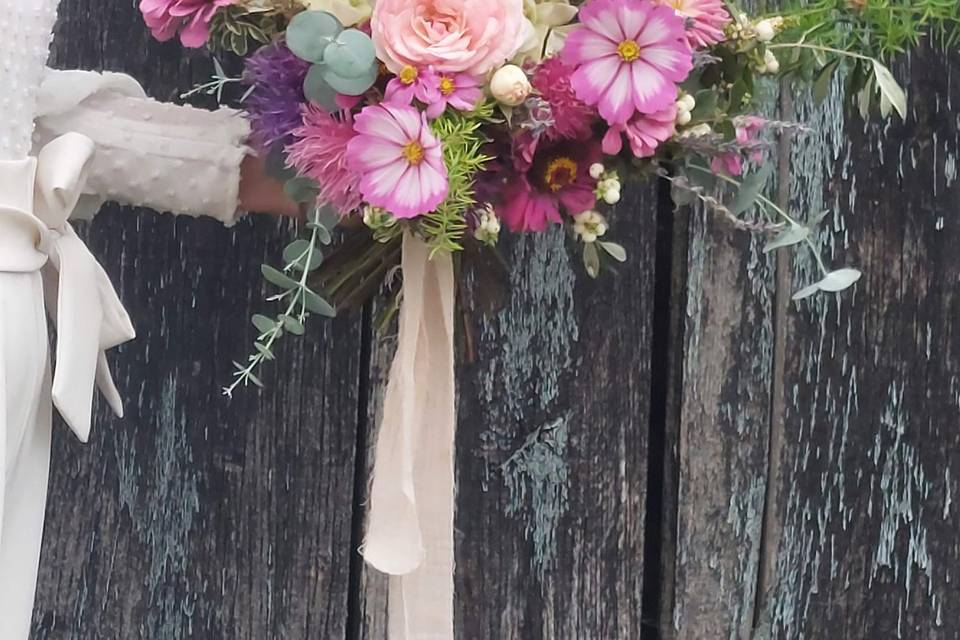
(864, 531)
(196, 516)
(552, 443)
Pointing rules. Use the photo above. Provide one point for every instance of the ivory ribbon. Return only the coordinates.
(45, 268)
(410, 523)
(37, 196)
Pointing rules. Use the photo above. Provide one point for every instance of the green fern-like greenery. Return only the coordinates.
(463, 154)
(878, 29)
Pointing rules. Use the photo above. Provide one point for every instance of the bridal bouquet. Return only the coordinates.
(452, 120)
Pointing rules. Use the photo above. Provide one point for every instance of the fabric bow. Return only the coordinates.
(37, 196)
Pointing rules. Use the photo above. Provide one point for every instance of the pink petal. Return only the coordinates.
(673, 62)
(612, 142)
(616, 104)
(584, 46)
(591, 81)
(633, 17)
(601, 17)
(650, 90)
(375, 121)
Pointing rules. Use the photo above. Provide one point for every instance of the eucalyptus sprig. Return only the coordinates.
(301, 257)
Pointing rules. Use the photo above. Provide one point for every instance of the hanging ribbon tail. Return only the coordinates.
(410, 521)
(89, 315)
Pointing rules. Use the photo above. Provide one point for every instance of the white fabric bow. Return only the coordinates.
(37, 196)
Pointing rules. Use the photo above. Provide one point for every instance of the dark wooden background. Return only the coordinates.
(679, 452)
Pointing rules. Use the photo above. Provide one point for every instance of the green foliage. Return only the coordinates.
(234, 28)
(877, 29)
(344, 60)
(463, 155)
(301, 257)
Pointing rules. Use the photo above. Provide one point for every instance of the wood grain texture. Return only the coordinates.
(866, 536)
(552, 443)
(195, 516)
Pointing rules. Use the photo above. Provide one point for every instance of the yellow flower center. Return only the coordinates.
(447, 86)
(628, 50)
(413, 152)
(560, 172)
(408, 75)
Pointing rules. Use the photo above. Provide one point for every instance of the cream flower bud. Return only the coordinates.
(510, 86)
(683, 117)
(771, 64)
(612, 196)
(596, 170)
(766, 30)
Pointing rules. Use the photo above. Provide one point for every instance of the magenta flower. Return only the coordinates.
(570, 117)
(644, 132)
(319, 152)
(705, 20)
(399, 160)
(748, 146)
(458, 90)
(558, 177)
(629, 56)
(410, 83)
(190, 18)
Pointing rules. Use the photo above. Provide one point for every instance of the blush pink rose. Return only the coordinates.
(453, 36)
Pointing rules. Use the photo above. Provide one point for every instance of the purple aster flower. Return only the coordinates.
(274, 105)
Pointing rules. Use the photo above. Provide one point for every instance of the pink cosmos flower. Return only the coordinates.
(399, 160)
(191, 18)
(630, 55)
(705, 20)
(458, 90)
(644, 132)
(748, 130)
(319, 152)
(412, 83)
(473, 36)
(559, 176)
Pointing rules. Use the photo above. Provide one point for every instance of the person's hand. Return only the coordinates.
(259, 193)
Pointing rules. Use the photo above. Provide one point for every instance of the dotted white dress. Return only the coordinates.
(166, 157)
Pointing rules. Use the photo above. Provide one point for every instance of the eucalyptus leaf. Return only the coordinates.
(326, 215)
(591, 259)
(277, 277)
(293, 325)
(351, 54)
(614, 250)
(317, 89)
(792, 235)
(300, 189)
(750, 188)
(310, 32)
(296, 254)
(316, 304)
(264, 351)
(821, 86)
(352, 86)
(323, 234)
(275, 164)
(840, 279)
(263, 323)
(891, 93)
(254, 379)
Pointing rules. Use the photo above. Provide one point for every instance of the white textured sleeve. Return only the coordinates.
(167, 157)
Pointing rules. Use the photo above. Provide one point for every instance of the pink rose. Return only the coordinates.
(471, 36)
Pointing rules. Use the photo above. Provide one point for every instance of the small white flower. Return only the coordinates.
(488, 226)
(596, 170)
(686, 103)
(612, 196)
(589, 226)
(683, 118)
(765, 31)
(510, 86)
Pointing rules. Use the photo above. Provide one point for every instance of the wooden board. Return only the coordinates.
(864, 526)
(195, 516)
